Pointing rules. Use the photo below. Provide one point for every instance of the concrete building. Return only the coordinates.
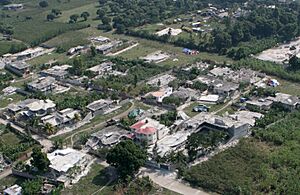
(13, 7)
(19, 68)
(149, 131)
(101, 69)
(100, 106)
(108, 47)
(67, 164)
(61, 118)
(108, 137)
(32, 108)
(30, 53)
(13, 190)
(100, 39)
(288, 101)
(43, 85)
(259, 104)
(225, 89)
(162, 80)
(57, 72)
(161, 94)
(219, 71)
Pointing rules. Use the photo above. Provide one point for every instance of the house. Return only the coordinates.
(32, 108)
(235, 129)
(68, 165)
(43, 85)
(162, 93)
(219, 71)
(19, 68)
(100, 39)
(101, 69)
(185, 93)
(57, 72)
(225, 89)
(161, 81)
(13, 190)
(169, 31)
(75, 50)
(30, 53)
(156, 57)
(61, 118)
(108, 47)
(209, 98)
(287, 101)
(107, 137)
(149, 131)
(13, 7)
(100, 106)
(259, 104)
(246, 117)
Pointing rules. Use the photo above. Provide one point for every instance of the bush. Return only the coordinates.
(43, 4)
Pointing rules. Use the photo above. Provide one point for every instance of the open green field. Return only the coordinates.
(8, 46)
(30, 25)
(267, 163)
(91, 183)
(212, 107)
(5, 101)
(288, 87)
(8, 137)
(9, 181)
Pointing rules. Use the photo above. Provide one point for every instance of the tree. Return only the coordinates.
(93, 51)
(294, 63)
(85, 15)
(39, 160)
(49, 129)
(43, 4)
(50, 17)
(127, 157)
(106, 20)
(32, 187)
(100, 13)
(74, 18)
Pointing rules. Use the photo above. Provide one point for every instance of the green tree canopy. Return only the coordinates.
(39, 160)
(127, 157)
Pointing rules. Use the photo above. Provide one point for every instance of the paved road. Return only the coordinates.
(169, 181)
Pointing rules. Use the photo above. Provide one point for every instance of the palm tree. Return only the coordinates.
(49, 129)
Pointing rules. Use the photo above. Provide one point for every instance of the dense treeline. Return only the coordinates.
(260, 28)
(269, 68)
(268, 163)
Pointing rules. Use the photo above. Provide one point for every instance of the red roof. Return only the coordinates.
(147, 130)
(138, 125)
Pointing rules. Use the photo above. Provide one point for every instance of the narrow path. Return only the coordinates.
(123, 50)
(100, 125)
(169, 181)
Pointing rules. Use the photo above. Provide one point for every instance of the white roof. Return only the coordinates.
(41, 105)
(209, 98)
(13, 190)
(63, 160)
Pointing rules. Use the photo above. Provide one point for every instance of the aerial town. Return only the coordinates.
(149, 97)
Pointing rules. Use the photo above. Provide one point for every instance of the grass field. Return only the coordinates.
(189, 110)
(288, 87)
(9, 181)
(91, 183)
(30, 24)
(10, 99)
(6, 46)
